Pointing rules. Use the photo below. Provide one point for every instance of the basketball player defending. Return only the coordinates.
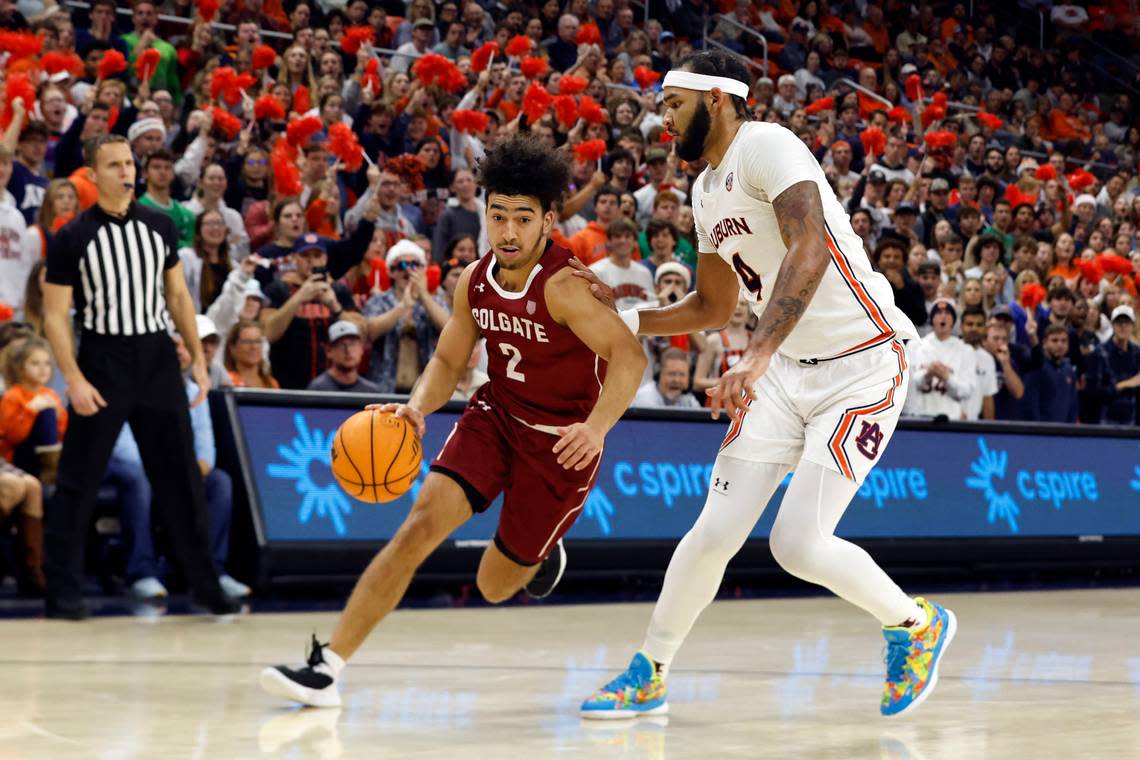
(563, 368)
(818, 390)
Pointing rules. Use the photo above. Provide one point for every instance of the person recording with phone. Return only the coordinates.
(302, 305)
(404, 321)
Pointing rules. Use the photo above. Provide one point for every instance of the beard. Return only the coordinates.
(692, 143)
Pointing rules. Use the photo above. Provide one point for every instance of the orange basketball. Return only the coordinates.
(376, 456)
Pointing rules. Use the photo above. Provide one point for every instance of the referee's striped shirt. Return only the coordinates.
(115, 268)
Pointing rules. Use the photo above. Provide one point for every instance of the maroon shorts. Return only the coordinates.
(489, 452)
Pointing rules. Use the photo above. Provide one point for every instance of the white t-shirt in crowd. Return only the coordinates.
(985, 376)
(930, 396)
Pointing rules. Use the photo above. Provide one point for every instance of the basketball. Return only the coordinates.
(376, 456)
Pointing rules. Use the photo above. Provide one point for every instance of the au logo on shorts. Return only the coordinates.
(728, 183)
(869, 439)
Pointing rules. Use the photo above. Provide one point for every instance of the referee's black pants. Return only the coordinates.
(141, 382)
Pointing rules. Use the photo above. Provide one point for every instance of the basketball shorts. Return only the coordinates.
(490, 452)
(839, 414)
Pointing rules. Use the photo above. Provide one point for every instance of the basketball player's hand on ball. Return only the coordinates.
(599, 289)
(578, 446)
(414, 417)
(733, 393)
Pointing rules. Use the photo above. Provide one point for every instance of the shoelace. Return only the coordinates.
(897, 652)
(316, 653)
(626, 679)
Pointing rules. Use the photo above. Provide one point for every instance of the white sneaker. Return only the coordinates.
(233, 588)
(149, 588)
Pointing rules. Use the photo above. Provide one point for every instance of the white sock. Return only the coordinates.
(333, 661)
(697, 566)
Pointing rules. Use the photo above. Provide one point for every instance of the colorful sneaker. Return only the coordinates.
(640, 690)
(913, 657)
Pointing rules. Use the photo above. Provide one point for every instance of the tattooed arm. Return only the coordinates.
(799, 212)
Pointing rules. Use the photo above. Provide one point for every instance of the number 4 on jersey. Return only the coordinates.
(750, 279)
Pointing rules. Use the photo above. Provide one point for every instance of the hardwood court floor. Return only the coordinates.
(1030, 675)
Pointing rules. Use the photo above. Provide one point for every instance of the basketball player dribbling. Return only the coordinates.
(563, 368)
(819, 389)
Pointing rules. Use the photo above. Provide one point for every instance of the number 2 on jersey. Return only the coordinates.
(515, 357)
(750, 279)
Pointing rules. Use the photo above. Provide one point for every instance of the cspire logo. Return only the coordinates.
(1056, 487)
(990, 467)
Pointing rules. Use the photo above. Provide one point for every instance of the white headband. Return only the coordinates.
(687, 80)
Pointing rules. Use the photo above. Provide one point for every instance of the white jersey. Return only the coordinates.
(930, 395)
(985, 382)
(853, 310)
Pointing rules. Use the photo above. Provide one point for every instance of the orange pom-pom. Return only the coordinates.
(1090, 270)
(409, 168)
(874, 141)
(207, 10)
(589, 34)
(355, 36)
(1032, 295)
(371, 77)
(899, 115)
(536, 101)
(939, 99)
(225, 122)
(532, 67)
(453, 80)
(20, 44)
(822, 104)
(222, 80)
(665, 137)
(591, 111)
(263, 57)
(1114, 264)
(941, 140)
(112, 63)
(147, 64)
(645, 77)
(268, 108)
(566, 111)
(519, 46)
(569, 85)
(470, 122)
(55, 62)
(344, 145)
(286, 177)
(914, 88)
(483, 56)
(301, 102)
(591, 150)
(1081, 179)
(1045, 172)
(989, 120)
(17, 86)
(431, 69)
(300, 131)
(931, 114)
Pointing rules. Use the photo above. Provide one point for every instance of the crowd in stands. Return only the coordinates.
(317, 157)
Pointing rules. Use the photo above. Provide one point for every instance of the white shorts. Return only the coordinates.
(839, 414)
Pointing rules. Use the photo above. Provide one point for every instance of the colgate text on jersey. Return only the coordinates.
(490, 320)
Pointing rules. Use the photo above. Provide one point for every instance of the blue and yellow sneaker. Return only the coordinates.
(913, 657)
(640, 690)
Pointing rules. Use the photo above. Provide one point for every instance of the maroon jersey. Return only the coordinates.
(541, 372)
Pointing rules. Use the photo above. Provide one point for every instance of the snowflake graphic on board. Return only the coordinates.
(600, 508)
(990, 467)
(308, 463)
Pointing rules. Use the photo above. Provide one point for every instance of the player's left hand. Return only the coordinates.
(733, 392)
(578, 446)
(201, 378)
(599, 289)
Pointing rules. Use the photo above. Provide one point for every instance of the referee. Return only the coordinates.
(119, 261)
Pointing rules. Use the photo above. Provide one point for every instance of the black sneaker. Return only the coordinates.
(223, 606)
(549, 573)
(313, 685)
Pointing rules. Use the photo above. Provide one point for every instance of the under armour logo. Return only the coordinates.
(483, 405)
(480, 287)
(720, 485)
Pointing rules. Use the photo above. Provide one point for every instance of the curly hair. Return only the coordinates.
(524, 166)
